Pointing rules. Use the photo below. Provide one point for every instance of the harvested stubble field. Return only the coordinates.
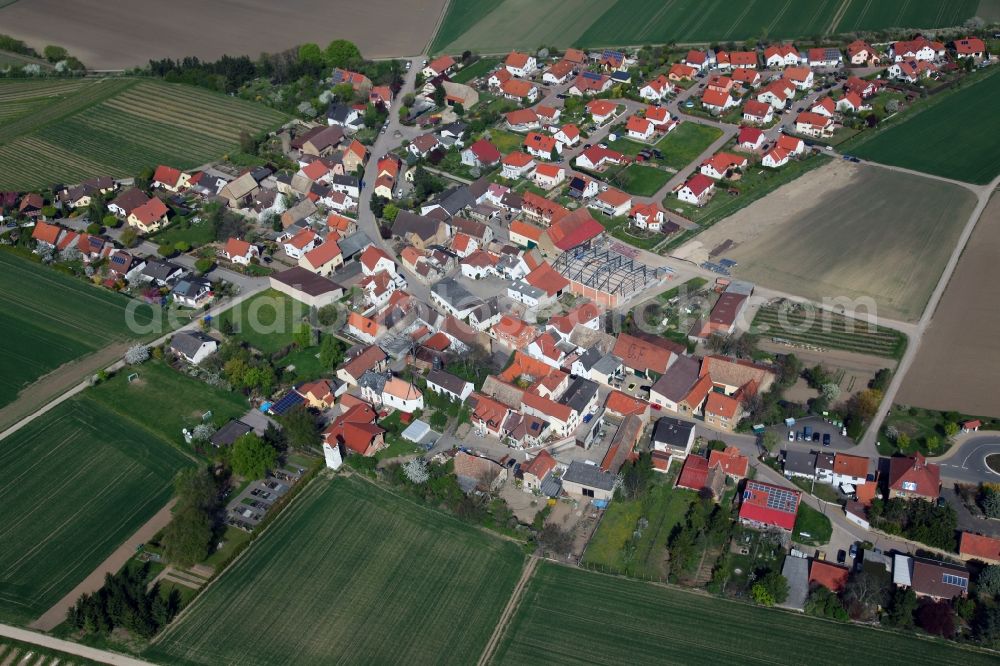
(567, 615)
(49, 319)
(828, 330)
(961, 349)
(115, 127)
(948, 138)
(113, 39)
(351, 574)
(78, 481)
(847, 231)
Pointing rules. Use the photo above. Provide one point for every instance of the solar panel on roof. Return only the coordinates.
(287, 402)
(592, 76)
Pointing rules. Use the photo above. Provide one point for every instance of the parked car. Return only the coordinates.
(826, 439)
(854, 550)
(815, 437)
(791, 436)
(841, 556)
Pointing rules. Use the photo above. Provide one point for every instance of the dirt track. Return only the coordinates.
(107, 35)
(959, 360)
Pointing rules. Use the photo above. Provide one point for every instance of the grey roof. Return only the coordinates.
(189, 342)
(678, 379)
(355, 243)
(160, 270)
(455, 129)
(455, 199)
(375, 381)
(590, 358)
(672, 431)
(586, 338)
(479, 187)
(528, 290)
(192, 287)
(607, 364)
(306, 281)
(800, 462)
(230, 432)
(339, 113)
(589, 475)
(796, 572)
(824, 461)
(551, 486)
(447, 381)
(579, 394)
(416, 431)
(410, 223)
(740, 287)
(345, 180)
(469, 227)
(488, 309)
(452, 292)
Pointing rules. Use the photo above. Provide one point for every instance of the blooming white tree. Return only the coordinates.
(202, 432)
(137, 354)
(831, 392)
(416, 471)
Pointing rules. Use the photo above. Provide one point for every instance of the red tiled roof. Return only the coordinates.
(323, 254)
(601, 107)
(731, 461)
(750, 135)
(517, 87)
(694, 473)
(548, 171)
(485, 151)
(768, 504)
(915, 475)
(698, 183)
(167, 175)
(46, 233)
(355, 429)
(714, 97)
(979, 547)
(540, 142)
(830, 576)
(547, 407)
(573, 229)
(524, 229)
(518, 159)
(547, 279)
(540, 465)
(149, 212)
(848, 465)
(236, 247)
(442, 63)
(756, 109)
(522, 117)
(621, 403)
(641, 355)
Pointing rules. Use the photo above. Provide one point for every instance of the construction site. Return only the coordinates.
(608, 272)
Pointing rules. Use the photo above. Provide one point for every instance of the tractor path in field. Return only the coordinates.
(54, 616)
(508, 612)
(76, 649)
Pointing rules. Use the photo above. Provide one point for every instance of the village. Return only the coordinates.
(476, 274)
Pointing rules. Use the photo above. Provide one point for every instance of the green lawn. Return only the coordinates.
(506, 142)
(626, 146)
(620, 229)
(194, 234)
(686, 142)
(569, 616)
(664, 507)
(815, 524)
(80, 480)
(49, 318)
(479, 68)
(307, 364)
(643, 181)
(351, 573)
(267, 321)
(946, 137)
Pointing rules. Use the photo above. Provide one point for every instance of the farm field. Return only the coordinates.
(835, 234)
(686, 142)
(946, 139)
(267, 321)
(481, 67)
(116, 127)
(827, 330)
(380, 28)
(79, 481)
(864, 15)
(958, 350)
(351, 574)
(566, 615)
(496, 26)
(49, 319)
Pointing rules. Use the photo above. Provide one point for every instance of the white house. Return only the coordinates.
(639, 128)
(302, 242)
(697, 190)
(567, 135)
(520, 65)
(516, 164)
(776, 157)
(240, 251)
(446, 384)
(193, 346)
(656, 89)
(547, 176)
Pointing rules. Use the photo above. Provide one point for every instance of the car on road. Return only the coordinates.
(266, 259)
(826, 439)
(815, 437)
(562, 96)
(854, 550)
(841, 556)
(586, 145)
(689, 104)
(791, 436)
(855, 160)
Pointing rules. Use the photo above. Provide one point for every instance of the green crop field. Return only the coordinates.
(828, 330)
(686, 142)
(866, 15)
(351, 574)
(494, 26)
(49, 319)
(946, 139)
(79, 481)
(267, 321)
(87, 474)
(567, 616)
(67, 131)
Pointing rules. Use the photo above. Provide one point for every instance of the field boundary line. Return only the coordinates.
(838, 16)
(282, 516)
(75, 649)
(508, 612)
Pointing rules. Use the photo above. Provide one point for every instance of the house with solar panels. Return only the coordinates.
(767, 506)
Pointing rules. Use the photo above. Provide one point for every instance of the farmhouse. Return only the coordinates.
(588, 481)
(441, 65)
(306, 287)
(537, 470)
(355, 430)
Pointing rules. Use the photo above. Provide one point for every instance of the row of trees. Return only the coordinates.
(925, 522)
(124, 602)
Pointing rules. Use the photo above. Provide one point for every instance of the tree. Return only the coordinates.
(341, 53)
(865, 593)
(988, 580)
(300, 428)
(129, 237)
(936, 617)
(762, 595)
(950, 430)
(824, 603)
(892, 106)
(416, 471)
(182, 246)
(137, 355)
(331, 351)
(770, 441)
(188, 537)
(903, 441)
(111, 221)
(94, 228)
(55, 53)
(251, 457)
(991, 502)
(304, 337)
(830, 391)
(343, 92)
(310, 54)
(555, 539)
(902, 604)
(864, 405)
(439, 420)
(459, 109)
(389, 212)
(328, 315)
(203, 265)
(439, 95)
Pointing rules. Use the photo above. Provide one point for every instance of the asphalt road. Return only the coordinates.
(967, 463)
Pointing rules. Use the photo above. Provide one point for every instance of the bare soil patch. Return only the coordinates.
(852, 371)
(104, 36)
(848, 231)
(959, 357)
